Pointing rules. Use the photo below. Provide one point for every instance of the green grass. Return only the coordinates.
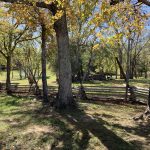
(24, 124)
(145, 83)
(51, 79)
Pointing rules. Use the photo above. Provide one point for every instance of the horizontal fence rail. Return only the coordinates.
(91, 91)
(141, 93)
(105, 91)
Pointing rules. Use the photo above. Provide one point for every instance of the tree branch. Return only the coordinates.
(3, 53)
(21, 34)
(28, 39)
(146, 2)
(52, 7)
(114, 2)
(4, 44)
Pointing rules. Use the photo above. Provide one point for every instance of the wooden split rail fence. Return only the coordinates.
(141, 93)
(91, 91)
(17, 89)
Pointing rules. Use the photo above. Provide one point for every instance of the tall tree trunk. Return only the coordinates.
(44, 52)
(131, 68)
(8, 75)
(120, 59)
(135, 68)
(148, 102)
(146, 74)
(82, 93)
(12, 74)
(128, 70)
(20, 72)
(87, 73)
(65, 97)
(116, 70)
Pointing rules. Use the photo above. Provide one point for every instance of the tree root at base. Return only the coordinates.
(144, 116)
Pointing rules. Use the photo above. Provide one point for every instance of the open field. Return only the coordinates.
(25, 124)
(51, 79)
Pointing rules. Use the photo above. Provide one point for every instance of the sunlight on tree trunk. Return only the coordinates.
(8, 74)
(65, 97)
(44, 52)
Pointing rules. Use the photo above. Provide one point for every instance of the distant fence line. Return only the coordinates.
(91, 91)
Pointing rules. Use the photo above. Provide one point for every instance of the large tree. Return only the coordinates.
(65, 97)
(11, 34)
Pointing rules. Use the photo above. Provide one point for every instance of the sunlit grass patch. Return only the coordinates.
(98, 126)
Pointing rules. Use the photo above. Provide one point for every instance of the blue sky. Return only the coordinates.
(146, 9)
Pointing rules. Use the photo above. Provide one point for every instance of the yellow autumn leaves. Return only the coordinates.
(122, 16)
(117, 22)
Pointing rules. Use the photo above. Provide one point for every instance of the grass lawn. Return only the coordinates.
(25, 125)
(51, 79)
(119, 82)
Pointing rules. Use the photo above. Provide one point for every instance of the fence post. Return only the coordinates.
(132, 93)
(148, 103)
(82, 93)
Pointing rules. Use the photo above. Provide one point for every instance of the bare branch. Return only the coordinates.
(3, 53)
(4, 43)
(27, 39)
(146, 2)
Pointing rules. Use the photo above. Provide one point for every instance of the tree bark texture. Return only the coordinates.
(65, 97)
(43, 57)
(8, 82)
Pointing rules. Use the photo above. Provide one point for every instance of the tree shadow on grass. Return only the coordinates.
(79, 122)
(87, 124)
(141, 130)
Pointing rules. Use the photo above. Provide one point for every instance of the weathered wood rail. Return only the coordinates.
(17, 89)
(141, 93)
(91, 91)
(104, 91)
